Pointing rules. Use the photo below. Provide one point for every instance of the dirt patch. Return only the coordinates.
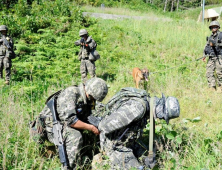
(114, 16)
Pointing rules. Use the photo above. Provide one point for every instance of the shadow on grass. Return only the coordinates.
(108, 77)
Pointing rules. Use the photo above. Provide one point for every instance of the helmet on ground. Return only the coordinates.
(83, 32)
(3, 28)
(167, 108)
(214, 23)
(97, 88)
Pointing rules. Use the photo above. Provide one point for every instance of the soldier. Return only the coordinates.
(6, 53)
(87, 55)
(73, 105)
(213, 49)
(126, 117)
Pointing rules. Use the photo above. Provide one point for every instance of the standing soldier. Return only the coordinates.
(87, 55)
(213, 49)
(6, 53)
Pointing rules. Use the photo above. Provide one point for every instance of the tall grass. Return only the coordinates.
(192, 141)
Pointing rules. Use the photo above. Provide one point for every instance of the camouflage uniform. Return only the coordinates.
(67, 103)
(133, 115)
(213, 61)
(87, 64)
(5, 56)
(123, 125)
(129, 113)
(72, 105)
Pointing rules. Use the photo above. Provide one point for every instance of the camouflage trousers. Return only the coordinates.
(73, 142)
(87, 66)
(123, 156)
(6, 63)
(212, 66)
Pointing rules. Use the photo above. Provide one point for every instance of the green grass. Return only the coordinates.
(48, 59)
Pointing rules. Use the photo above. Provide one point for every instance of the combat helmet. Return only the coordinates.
(167, 108)
(97, 88)
(214, 23)
(83, 32)
(3, 28)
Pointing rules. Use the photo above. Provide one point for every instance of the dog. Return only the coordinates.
(139, 75)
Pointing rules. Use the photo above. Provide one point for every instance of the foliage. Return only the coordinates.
(47, 62)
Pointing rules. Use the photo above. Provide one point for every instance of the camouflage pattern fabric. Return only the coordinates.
(68, 102)
(132, 114)
(85, 55)
(213, 65)
(87, 66)
(217, 39)
(5, 61)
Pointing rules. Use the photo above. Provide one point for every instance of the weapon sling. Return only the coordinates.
(57, 135)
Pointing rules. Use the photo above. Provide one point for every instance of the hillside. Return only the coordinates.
(47, 61)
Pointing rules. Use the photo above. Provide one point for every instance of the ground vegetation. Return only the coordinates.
(44, 34)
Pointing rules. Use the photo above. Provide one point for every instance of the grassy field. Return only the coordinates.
(192, 141)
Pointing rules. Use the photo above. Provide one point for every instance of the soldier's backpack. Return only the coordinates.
(125, 94)
(37, 130)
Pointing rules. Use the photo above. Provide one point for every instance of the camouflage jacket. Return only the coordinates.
(86, 51)
(131, 111)
(6, 50)
(217, 39)
(126, 110)
(71, 107)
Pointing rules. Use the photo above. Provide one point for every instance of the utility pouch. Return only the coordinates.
(37, 130)
(2, 51)
(10, 54)
(94, 55)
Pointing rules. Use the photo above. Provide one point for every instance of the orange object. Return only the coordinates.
(139, 75)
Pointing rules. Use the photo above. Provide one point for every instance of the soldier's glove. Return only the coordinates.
(7, 38)
(94, 120)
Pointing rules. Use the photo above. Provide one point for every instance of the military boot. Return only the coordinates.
(7, 82)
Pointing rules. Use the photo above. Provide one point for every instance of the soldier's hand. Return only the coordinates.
(204, 59)
(82, 43)
(95, 130)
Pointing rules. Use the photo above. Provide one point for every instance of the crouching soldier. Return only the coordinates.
(6, 53)
(122, 127)
(65, 118)
(87, 54)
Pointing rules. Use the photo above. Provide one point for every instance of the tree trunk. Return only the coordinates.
(172, 5)
(7, 4)
(178, 1)
(165, 6)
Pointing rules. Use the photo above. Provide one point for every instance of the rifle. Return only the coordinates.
(212, 44)
(82, 41)
(6, 43)
(57, 127)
